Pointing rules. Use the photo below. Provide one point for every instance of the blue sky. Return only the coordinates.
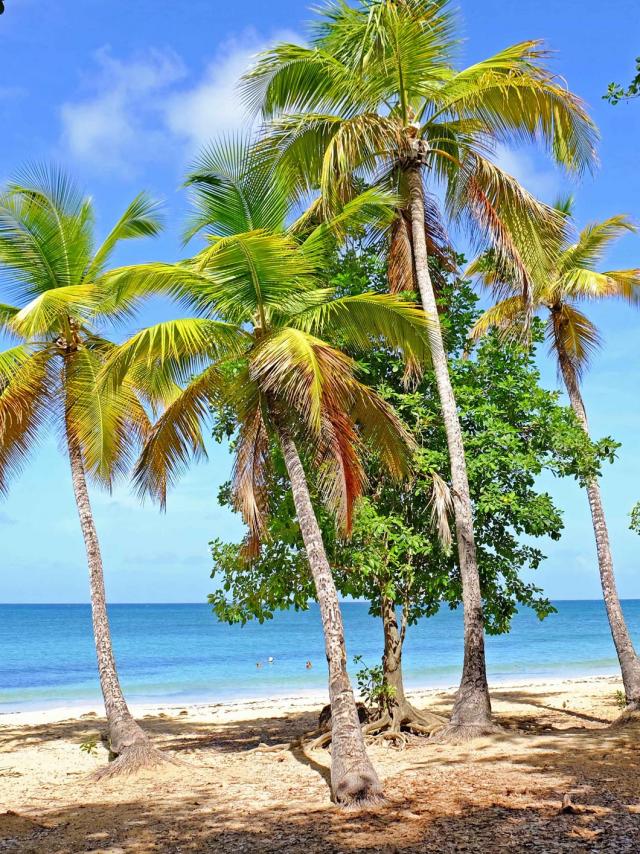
(122, 94)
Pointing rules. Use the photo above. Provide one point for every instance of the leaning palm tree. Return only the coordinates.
(568, 279)
(375, 95)
(258, 346)
(51, 268)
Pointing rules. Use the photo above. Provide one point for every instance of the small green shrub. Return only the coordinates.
(372, 686)
(90, 745)
(620, 699)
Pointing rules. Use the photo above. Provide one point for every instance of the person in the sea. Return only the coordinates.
(308, 665)
(258, 664)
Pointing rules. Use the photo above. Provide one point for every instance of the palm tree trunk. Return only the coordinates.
(472, 707)
(627, 656)
(127, 741)
(400, 711)
(353, 777)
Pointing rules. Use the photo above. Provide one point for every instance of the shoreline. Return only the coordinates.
(279, 703)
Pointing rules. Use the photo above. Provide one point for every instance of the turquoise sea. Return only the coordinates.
(180, 653)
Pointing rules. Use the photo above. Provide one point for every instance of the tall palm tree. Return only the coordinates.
(258, 346)
(569, 278)
(375, 95)
(50, 266)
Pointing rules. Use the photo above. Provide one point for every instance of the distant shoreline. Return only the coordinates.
(33, 716)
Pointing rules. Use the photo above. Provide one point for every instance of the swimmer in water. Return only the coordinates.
(308, 665)
(258, 664)
(271, 659)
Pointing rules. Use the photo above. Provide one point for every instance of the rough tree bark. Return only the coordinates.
(353, 777)
(400, 712)
(471, 714)
(127, 741)
(627, 656)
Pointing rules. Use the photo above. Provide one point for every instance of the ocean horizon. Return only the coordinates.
(180, 653)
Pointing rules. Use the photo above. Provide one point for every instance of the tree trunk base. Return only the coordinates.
(394, 726)
(357, 790)
(139, 756)
(460, 733)
(630, 715)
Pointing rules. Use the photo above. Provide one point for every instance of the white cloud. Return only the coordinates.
(137, 109)
(120, 121)
(213, 106)
(540, 178)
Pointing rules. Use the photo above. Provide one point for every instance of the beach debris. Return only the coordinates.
(568, 807)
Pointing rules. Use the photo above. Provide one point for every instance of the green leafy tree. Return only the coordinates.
(402, 556)
(55, 275)
(634, 524)
(616, 92)
(376, 95)
(258, 346)
(568, 279)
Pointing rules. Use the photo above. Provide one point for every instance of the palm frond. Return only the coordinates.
(176, 437)
(55, 311)
(592, 243)
(26, 390)
(509, 317)
(140, 219)
(573, 337)
(179, 347)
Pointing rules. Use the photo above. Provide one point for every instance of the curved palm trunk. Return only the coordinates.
(353, 778)
(400, 711)
(472, 708)
(627, 656)
(127, 741)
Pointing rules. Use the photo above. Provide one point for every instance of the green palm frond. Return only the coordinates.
(44, 209)
(516, 96)
(140, 219)
(592, 243)
(26, 386)
(176, 437)
(109, 425)
(235, 189)
(56, 311)
(183, 346)
(257, 272)
(357, 320)
(509, 316)
(370, 213)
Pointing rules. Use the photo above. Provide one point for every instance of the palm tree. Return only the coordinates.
(568, 278)
(375, 95)
(52, 269)
(258, 346)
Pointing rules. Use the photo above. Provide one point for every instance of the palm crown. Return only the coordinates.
(55, 273)
(568, 279)
(257, 342)
(376, 90)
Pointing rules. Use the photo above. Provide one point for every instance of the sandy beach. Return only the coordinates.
(230, 792)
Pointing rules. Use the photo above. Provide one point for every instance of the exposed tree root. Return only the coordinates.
(389, 727)
(463, 733)
(630, 715)
(139, 756)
